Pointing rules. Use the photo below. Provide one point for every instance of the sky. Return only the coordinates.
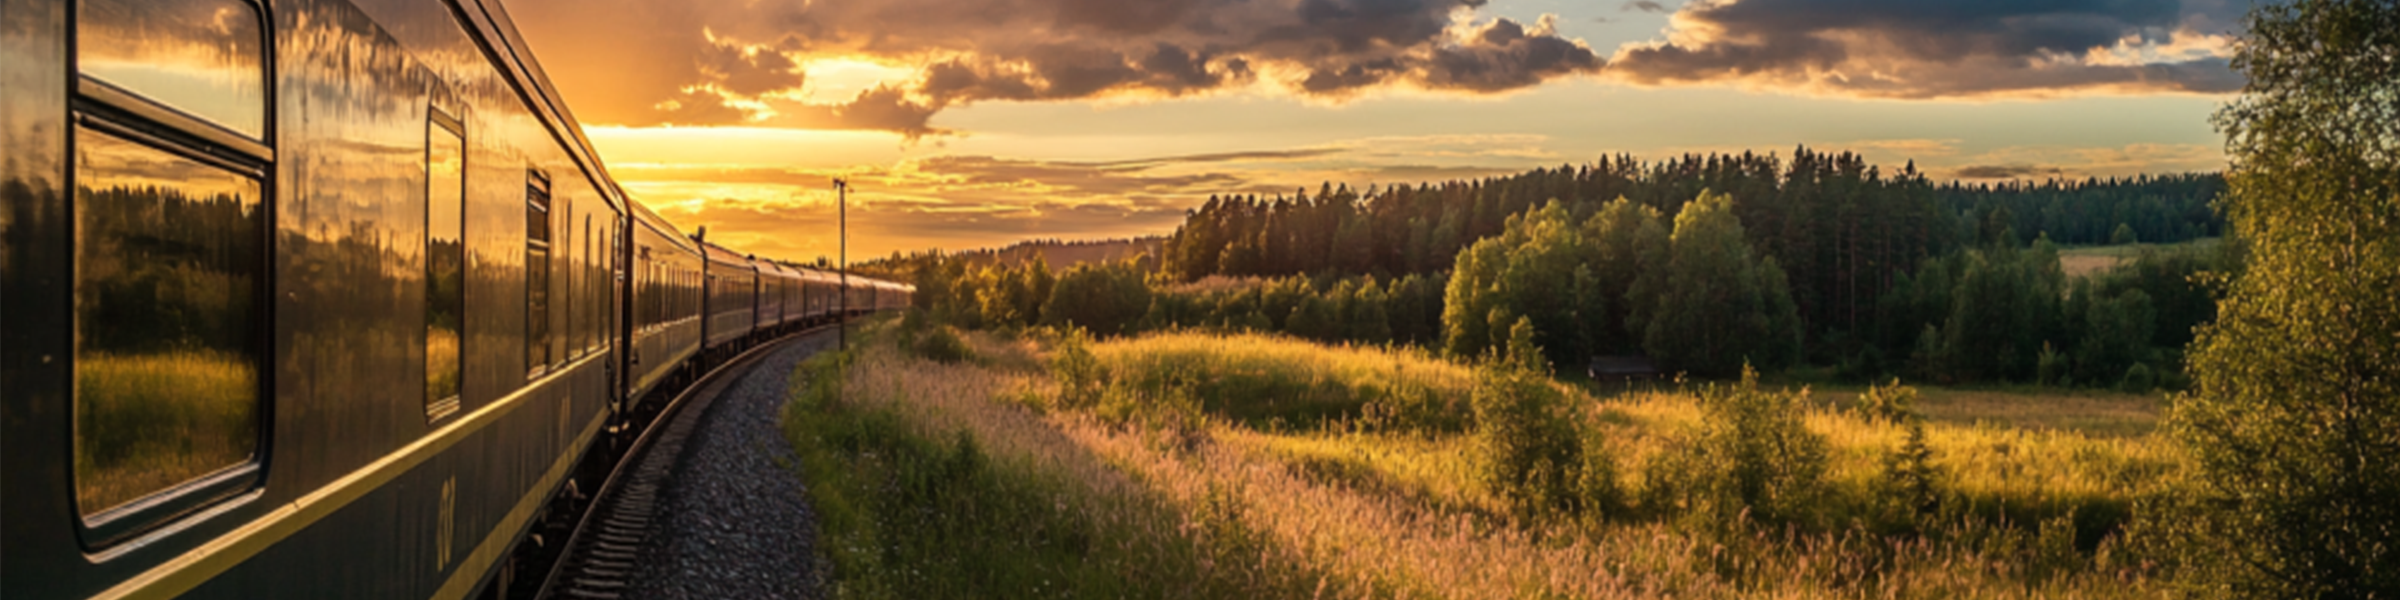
(978, 123)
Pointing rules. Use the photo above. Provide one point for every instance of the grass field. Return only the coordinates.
(148, 421)
(1287, 469)
(2086, 260)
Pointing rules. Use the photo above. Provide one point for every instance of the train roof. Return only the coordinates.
(493, 25)
(726, 255)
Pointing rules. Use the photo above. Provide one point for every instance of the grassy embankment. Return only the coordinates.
(1191, 465)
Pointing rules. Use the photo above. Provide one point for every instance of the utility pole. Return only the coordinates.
(841, 190)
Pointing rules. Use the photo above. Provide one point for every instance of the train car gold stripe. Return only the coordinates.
(183, 573)
(496, 544)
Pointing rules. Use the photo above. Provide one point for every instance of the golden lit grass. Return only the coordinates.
(1360, 511)
(2090, 412)
(149, 421)
(1275, 381)
(441, 363)
(1044, 516)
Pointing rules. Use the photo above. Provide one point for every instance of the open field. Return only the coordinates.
(1250, 466)
(2086, 260)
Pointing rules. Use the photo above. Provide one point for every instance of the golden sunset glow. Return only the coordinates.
(979, 124)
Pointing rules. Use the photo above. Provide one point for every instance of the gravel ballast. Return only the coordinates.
(733, 519)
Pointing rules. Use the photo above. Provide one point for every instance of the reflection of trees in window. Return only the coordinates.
(445, 265)
(167, 263)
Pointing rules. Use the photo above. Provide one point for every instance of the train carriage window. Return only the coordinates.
(170, 227)
(445, 262)
(168, 262)
(537, 272)
(204, 59)
(563, 347)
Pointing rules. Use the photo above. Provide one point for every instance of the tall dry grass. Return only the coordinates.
(1288, 484)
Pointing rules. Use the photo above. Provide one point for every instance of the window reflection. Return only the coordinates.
(537, 271)
(445, 266)
(202, 57)
(167, 259)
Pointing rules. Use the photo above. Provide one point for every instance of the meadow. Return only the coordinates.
(1178, 464)
(148, 421)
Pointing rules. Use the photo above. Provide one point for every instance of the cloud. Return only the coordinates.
(719, 62)
(1942, 48)
(1642, 5)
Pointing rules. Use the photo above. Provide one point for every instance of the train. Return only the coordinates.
(326, 299)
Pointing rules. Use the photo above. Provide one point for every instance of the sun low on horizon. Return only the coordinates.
(978, 124)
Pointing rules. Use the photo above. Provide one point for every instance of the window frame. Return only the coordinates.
(440, 409)
(109, 110)
(538, 198)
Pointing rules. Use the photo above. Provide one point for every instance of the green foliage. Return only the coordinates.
(1912, 483)
(2123, 235)
(1715, 311)
(941, 344)
(1754, 456)
(2137, 380)
(2293, 423)
(1889, 403)
(1572, 281)
(1080, 377)
(1529, 453)
(1107, 299)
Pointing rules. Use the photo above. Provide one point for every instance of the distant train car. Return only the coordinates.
(665, 312)
(732, 297)
(781, 302)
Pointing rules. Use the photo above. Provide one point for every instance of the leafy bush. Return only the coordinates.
(1889, 403)
(1529, 454)
(1754, 454)
(942, 344)
(2138, 380)
(1081, 379)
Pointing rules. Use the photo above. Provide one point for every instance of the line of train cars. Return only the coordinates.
(323, 299)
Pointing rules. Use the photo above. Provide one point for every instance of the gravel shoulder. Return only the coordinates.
(734, 520)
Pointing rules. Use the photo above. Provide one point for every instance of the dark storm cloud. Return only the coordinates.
(2005, 171)
(753, 51)
(1939, 48)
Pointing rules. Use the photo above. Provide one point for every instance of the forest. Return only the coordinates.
(1825, 261)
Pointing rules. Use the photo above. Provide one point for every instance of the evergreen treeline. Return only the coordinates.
(2159, 209)
(1839, 228)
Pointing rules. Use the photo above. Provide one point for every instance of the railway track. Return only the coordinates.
(599, 558)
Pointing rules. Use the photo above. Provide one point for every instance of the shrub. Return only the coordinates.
(1889, 403)
(1529, 454)
(1081, 379)
(941, 344)
(2138, 380)
(1755, 454)
(1912, 484)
